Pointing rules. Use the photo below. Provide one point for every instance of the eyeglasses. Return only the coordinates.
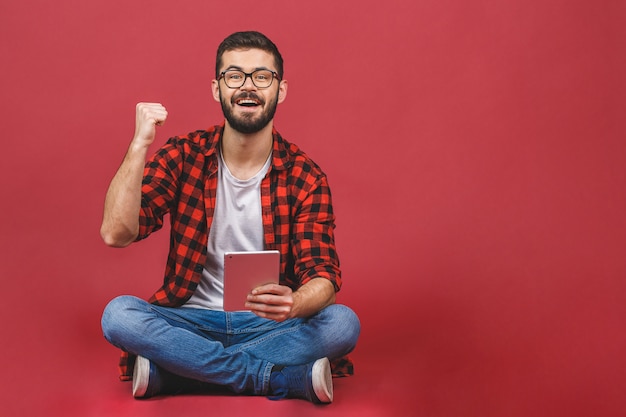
(260, 78)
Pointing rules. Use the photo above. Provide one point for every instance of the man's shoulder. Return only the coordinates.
(294, 158)
(199, 140)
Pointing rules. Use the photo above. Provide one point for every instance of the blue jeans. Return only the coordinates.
(232, 349)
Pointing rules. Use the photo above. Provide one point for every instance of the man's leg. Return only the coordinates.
(178, 345)
(300, 348)
(332, 333)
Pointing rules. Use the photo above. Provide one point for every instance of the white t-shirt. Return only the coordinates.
(237, 226)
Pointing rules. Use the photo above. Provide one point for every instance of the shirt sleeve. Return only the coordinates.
(158, 188)
(313, 242)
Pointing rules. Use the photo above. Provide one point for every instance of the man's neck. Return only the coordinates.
(245, 154)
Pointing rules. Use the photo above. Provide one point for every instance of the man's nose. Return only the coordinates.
(248, 84)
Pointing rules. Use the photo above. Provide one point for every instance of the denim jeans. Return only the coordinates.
(232, 349)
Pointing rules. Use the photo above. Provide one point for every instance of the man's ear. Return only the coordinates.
(282, 91)
(215, 88)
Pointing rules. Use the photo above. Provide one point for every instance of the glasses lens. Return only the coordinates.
(234, 79)
(262, 78)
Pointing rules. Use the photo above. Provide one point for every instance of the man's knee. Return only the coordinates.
(346, 325)
(115, 317)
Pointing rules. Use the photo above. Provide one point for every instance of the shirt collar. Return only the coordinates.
(280, 153)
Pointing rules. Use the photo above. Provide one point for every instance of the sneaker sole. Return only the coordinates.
(322, 379)
(141, 377)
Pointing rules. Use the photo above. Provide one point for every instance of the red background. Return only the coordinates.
(476, 155)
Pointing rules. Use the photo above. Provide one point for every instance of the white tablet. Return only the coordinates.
(244, 271)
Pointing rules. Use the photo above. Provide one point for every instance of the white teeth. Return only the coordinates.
(246, 102)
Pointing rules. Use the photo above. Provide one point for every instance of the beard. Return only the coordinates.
(248, 123)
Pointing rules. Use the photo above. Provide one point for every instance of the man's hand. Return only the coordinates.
(147, 117)
(279, 303)
(271, 301)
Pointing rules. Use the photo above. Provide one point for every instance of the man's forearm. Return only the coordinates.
(120, 223)
(312, 297)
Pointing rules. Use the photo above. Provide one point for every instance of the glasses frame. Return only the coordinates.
(247, 75)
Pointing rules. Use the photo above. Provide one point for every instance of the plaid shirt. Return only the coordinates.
(298, 219)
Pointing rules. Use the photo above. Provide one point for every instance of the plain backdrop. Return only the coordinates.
(476, 155)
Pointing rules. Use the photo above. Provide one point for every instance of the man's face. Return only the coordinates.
(248, 109)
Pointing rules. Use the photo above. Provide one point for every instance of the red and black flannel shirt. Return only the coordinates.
(298, 219)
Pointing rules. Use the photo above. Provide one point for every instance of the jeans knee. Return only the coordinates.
(347, 326)
(114, 316)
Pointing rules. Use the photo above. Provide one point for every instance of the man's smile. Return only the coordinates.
(248, 100)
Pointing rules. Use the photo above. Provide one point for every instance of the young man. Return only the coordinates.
(238, 186)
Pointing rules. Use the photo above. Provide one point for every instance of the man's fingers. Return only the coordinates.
(271, 289)
(153, 112)
(148, 116)
(267, 299)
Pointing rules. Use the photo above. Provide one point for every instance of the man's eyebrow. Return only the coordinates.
(237, 68)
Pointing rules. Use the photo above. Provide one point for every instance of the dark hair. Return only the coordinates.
(248, 40)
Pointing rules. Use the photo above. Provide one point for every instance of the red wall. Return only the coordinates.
(475, 151)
